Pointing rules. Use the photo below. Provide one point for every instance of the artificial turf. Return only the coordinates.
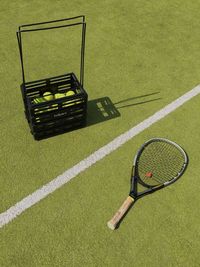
(141, 55)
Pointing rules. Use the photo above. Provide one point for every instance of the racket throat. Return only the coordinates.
(133, 195)
(134, 187)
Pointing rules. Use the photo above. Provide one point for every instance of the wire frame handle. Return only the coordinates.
(34, 27)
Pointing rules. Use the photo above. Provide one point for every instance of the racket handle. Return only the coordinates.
(112, 224)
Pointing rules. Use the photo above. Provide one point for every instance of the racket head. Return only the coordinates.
(159, 161)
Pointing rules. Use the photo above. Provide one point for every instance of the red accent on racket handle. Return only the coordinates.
(112, 224)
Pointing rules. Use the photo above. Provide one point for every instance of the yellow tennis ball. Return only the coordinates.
(38, 100)
(59, 95)
(48, 96)
(68, 103)
(69, 93)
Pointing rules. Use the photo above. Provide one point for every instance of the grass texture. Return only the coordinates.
(141, 55)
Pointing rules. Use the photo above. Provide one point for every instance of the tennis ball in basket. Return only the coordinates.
(69, 93)
(59, 95)
(68, 103)
(38, 100)
(48, 96)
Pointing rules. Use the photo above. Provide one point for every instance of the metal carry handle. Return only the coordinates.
(31, 27)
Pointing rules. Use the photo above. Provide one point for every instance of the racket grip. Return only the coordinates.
(112, 224)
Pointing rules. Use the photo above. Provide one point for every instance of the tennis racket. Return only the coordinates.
(158, 163)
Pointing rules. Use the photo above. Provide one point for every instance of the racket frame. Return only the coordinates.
(135, 178)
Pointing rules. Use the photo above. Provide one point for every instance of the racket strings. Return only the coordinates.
(160, 162)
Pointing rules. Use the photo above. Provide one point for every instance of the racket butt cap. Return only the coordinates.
(110, 225)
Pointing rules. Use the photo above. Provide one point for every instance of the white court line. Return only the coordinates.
(62, 179)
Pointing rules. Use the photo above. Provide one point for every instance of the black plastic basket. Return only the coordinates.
(57, 115)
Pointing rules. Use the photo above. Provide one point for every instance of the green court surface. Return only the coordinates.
(140, 55)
